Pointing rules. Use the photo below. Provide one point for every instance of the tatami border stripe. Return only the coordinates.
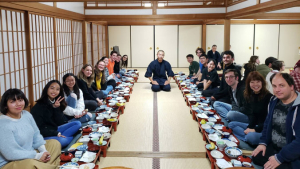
(155, 144)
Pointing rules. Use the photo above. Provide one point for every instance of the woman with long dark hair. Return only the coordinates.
(49, 117)
(257, 94)
(124, 61)
(22, 145)
(92, 99)
(210, 78)
(74, 98)
(250, 66)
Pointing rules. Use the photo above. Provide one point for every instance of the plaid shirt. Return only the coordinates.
(296, 77)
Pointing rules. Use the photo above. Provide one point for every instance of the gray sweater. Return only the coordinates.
(19, 138)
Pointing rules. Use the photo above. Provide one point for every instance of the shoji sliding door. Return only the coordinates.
(13, 65)
(166, 38)
(241, 41)
(190, 38)
(266, 41)
(64, 47)
(120, 36)
(142, 45)
(42, 51)
(77, 46)
(215, 36)
(289, 44)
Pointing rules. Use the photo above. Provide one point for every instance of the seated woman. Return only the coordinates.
(210, 78)
(100, 78)
(22, 145)
(85, 80)
(257, 94)
(110, 79)
(250, 66)
(49, 117)
(74, 98)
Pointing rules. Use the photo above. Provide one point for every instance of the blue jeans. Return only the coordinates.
(238, 129)
(72, 102)
(224, 110)
(107, 90)
(157, 88)
(67, 130)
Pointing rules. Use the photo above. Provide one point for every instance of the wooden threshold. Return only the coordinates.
(147, 154)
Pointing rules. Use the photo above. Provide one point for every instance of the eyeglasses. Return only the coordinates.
(229, 77)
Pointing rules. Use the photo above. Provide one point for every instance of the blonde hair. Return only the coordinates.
(88, 80)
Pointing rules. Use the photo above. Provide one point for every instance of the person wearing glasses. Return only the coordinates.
(239, 109)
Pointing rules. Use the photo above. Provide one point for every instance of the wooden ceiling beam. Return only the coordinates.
(42, 9)
(166, 7)
(262, 8)
(274, 16)
(85, 0)
(114, 23)
(154, 17)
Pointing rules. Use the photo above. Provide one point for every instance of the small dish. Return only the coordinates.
(213, 137)
(230, 143)
(75, 160)
(84, 140)
(92, 122)
(216, 154)
(82, 147)
(87, 166)
(69, 165)
(246, 164)
(210, 131)
(218, 126)
(212, 119)
(95, 134)
(233, 152)
(209, 145)
(210, 123)
(114, 115)
(206, 126)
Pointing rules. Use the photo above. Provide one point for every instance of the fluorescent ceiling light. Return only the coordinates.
(147, 5)
(161, 4)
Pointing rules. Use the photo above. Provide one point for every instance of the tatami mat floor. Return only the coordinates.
(180, 143)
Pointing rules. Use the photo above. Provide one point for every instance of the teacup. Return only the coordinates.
(226, 134)
(95, 140)
(246, 164)
(221, 144)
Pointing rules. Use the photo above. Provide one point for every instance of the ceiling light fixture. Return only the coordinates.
(147, 5)
(161, 4)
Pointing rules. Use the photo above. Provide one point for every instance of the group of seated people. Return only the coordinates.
(265, 121)
(261, 109)
(35, 139)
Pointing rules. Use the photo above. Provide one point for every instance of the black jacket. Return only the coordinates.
(47, 118)
(259, 112)
(243, 106)
(217, 57)
(88, 92)
(223, 90)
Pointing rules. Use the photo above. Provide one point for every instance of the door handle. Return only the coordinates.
(208, 48)
(111, 48)
(157, 48)
(249, 47)
(257, 48)
(150, 48)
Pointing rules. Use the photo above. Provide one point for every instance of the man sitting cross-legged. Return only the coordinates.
(280, 141)
(239, 109)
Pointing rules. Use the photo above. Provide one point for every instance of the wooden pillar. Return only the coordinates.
(204, 37)
(106, 41)
(29, 58)
(92, 43)
(227, 34)
(55, 48)
(84, 43)
(154, 7)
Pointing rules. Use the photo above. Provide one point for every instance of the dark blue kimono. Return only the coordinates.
(159, 74)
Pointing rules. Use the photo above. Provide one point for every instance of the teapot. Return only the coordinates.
(66, 156)
(244, 158)
(87, 129)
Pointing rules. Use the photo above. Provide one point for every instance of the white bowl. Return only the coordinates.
(112, 104)
(84, 140)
